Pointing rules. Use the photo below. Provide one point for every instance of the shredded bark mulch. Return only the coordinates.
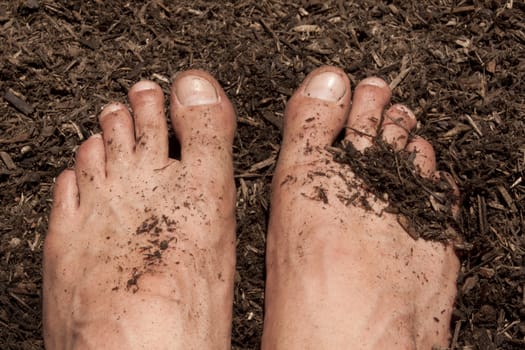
(460, 65)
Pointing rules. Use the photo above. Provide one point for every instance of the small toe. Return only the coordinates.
(65, 193)
(203, 119)
(424, 156)
(397, 124)
(370, 98)
(315, 114)
(64, 210)
(118, 134)
(151, 131)
(90, 167)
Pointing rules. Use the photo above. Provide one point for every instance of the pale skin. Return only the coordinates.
(140, 252)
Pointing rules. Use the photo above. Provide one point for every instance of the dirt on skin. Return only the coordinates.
(460, 65)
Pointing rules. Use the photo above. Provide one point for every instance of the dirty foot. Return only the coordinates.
(341, 273)
(140, 251)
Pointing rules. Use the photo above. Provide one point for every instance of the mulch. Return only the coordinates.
(460, 65)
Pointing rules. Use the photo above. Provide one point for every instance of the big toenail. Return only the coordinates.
(195, 91)
(328, 86)
(374, 81)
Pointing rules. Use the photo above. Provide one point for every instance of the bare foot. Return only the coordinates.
(340, 276)
(140, 251)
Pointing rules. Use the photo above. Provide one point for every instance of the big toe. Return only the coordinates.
(204, 121)
(315, 115)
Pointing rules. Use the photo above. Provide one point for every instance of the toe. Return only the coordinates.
(90, 166)
(424, 160)
(64, 210)
(151, 130)
(203, 119)
(65, 193)
(315, 114)
(396, 126)
(370, 99)
(424, 156)
(118, 134)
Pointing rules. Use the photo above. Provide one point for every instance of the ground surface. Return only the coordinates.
(459, 64)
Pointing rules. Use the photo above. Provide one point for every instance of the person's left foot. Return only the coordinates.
(140, 251)
(341, 272)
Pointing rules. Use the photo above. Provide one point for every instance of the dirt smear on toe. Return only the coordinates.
(458, 64)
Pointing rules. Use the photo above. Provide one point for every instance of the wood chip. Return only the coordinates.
(463, 9)
(487, 272)
(18, 102)
(491, 67)
(474, 125)
(6, 158)
(458, 129)
(517, 182)
(393, 9)
(455, 337)
(397, 80)
(469, 284)
(407, 226)
(464, 42)
(272, 33)
(307, 28)
(263, 164)
(508, 199)
(274, 120)
(377, 59)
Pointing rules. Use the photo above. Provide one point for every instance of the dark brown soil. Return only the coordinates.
(459, 64)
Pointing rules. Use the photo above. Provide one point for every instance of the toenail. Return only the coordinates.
(405, 111)
(328, 86)
(374, 81)
(192, 90)
(401, 116)
(144, 85)
(112, 107)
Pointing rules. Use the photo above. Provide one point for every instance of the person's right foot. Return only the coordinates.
(340, 276)
(140, 252)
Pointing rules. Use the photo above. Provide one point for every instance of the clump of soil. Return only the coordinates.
(424, 206)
